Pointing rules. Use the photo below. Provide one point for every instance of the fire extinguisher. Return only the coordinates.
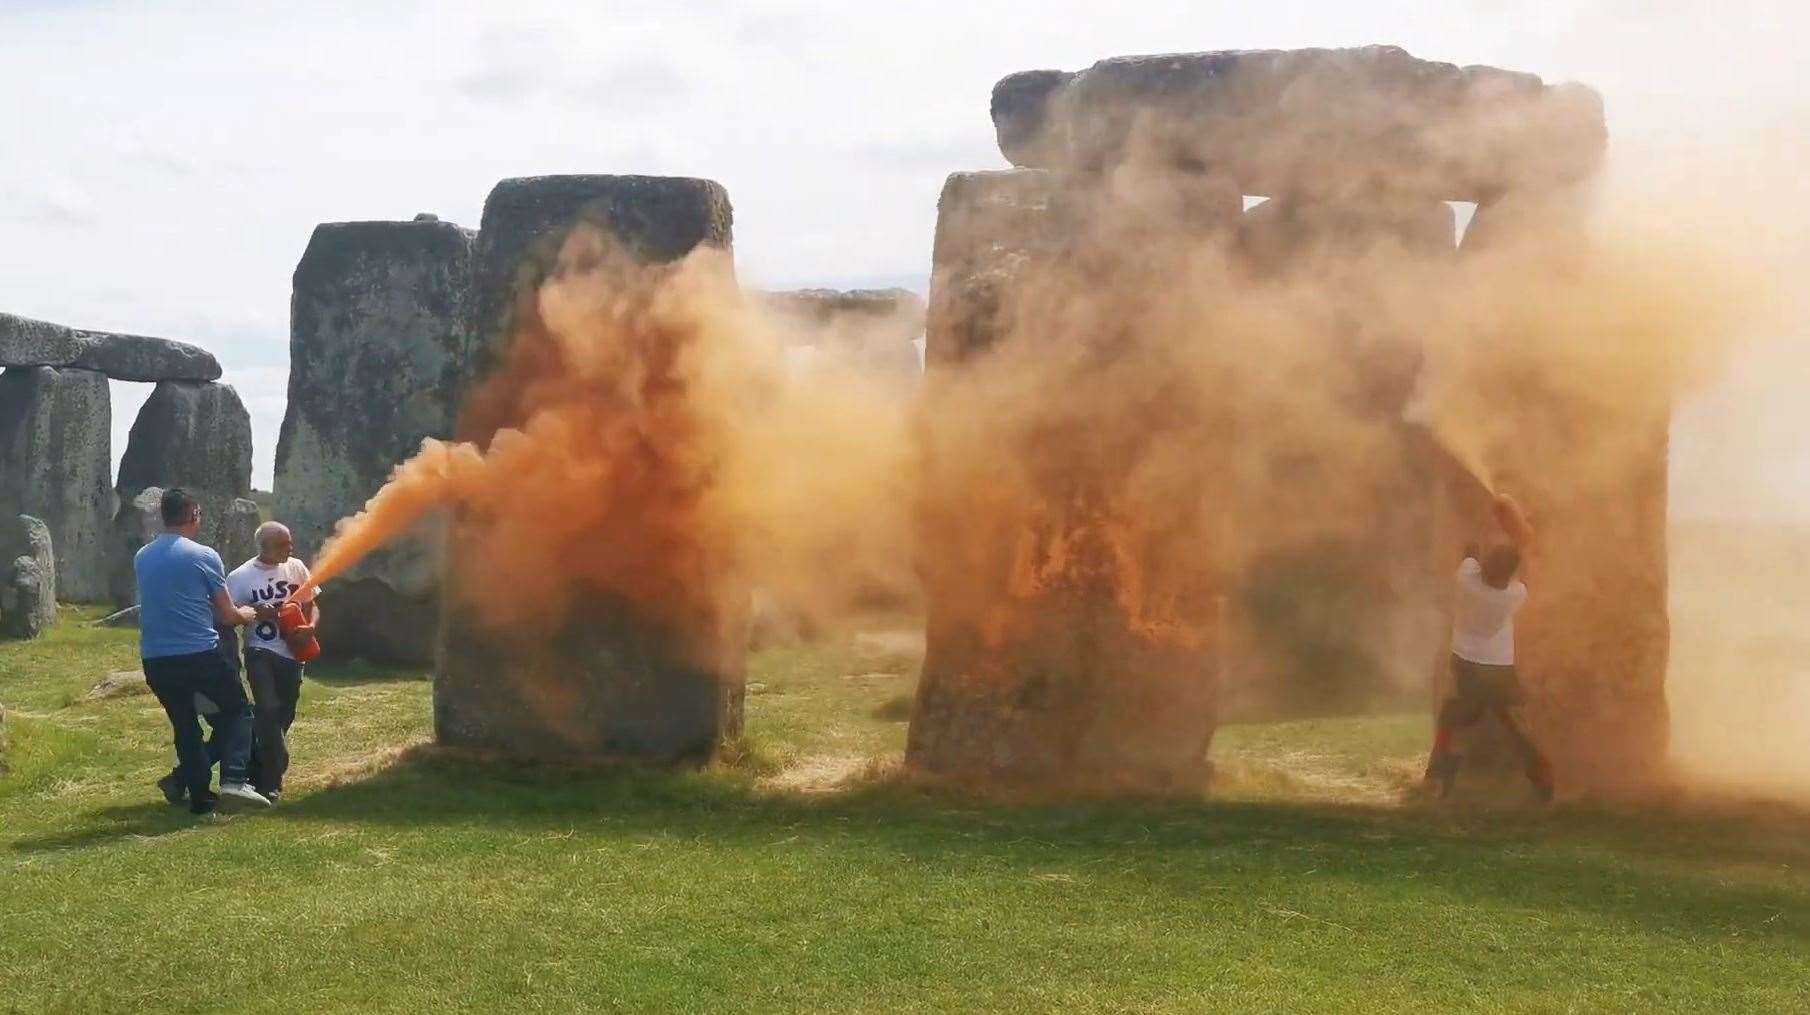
(302, 644)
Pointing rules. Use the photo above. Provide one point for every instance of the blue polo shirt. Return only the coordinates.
(177, 579)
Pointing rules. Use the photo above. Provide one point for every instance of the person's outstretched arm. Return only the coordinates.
(228, 615)
(1514, 522)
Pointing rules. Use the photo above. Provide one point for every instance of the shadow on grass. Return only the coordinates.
(109, 825)
(1690, 875)
(345, 673)
(1663, 871)
(895, 709)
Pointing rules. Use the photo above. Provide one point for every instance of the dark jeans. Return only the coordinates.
(1479, 690)
(185, 686)
(276, 686)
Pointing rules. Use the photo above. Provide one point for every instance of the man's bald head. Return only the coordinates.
(274, 542)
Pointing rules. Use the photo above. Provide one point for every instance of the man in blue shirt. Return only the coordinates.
(182, 596)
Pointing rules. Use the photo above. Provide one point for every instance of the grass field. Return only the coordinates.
(805, 874)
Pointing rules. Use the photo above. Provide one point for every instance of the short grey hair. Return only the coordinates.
(269, 529)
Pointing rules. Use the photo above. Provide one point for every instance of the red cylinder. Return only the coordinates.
(303, 644)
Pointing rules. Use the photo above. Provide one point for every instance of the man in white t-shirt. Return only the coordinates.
(264, 583)
(1483, 666)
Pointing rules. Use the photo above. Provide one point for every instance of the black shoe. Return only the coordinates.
(204, 804)
(173, 789)
(273, 795)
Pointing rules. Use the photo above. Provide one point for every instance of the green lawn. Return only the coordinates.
(806, 874)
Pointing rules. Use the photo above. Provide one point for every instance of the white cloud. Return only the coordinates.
(176, 156)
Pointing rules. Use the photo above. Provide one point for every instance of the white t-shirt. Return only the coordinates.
(255, 583)
(1483, 617)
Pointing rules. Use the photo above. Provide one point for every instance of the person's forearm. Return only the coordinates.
(226, 614)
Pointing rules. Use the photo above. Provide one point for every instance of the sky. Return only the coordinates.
(164, 163)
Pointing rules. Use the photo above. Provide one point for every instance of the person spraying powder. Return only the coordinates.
(1484, 681)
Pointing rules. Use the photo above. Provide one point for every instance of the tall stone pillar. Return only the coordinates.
(618, 677)
(137, 522)
(28, 577)
(55, 460)
(1592, 642)
(378, 356)
(1072, 628)
(195, 435)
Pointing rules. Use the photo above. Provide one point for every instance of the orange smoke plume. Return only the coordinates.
(641, 439)
(415, 488)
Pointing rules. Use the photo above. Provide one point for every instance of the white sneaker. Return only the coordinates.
(239, 792)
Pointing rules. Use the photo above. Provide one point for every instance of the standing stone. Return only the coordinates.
(991, 228)
(615, 680)
(196, 436)
(1065, 641)
(23, 600)
(28, 598)
(137, 522)
(55, 459)
(526, 220)
(1593, 641)
(239, 536)
(378, 355)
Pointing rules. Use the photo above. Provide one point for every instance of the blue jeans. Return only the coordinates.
(184, 685)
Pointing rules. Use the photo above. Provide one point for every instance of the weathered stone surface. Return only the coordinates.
(1029, 133)
(1315, 121)
(526, 219)
(378, 355)
(55, 460)
(28, 343)
(615, 680)
(1039, 665)
(1014, 210)
(198, 437)
(1593, 641)
(138, 521)
(23, 537)
(23, 600)
(143, 358)
(872, 330)
(25, 342)
(239, 535)
(990, 227)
